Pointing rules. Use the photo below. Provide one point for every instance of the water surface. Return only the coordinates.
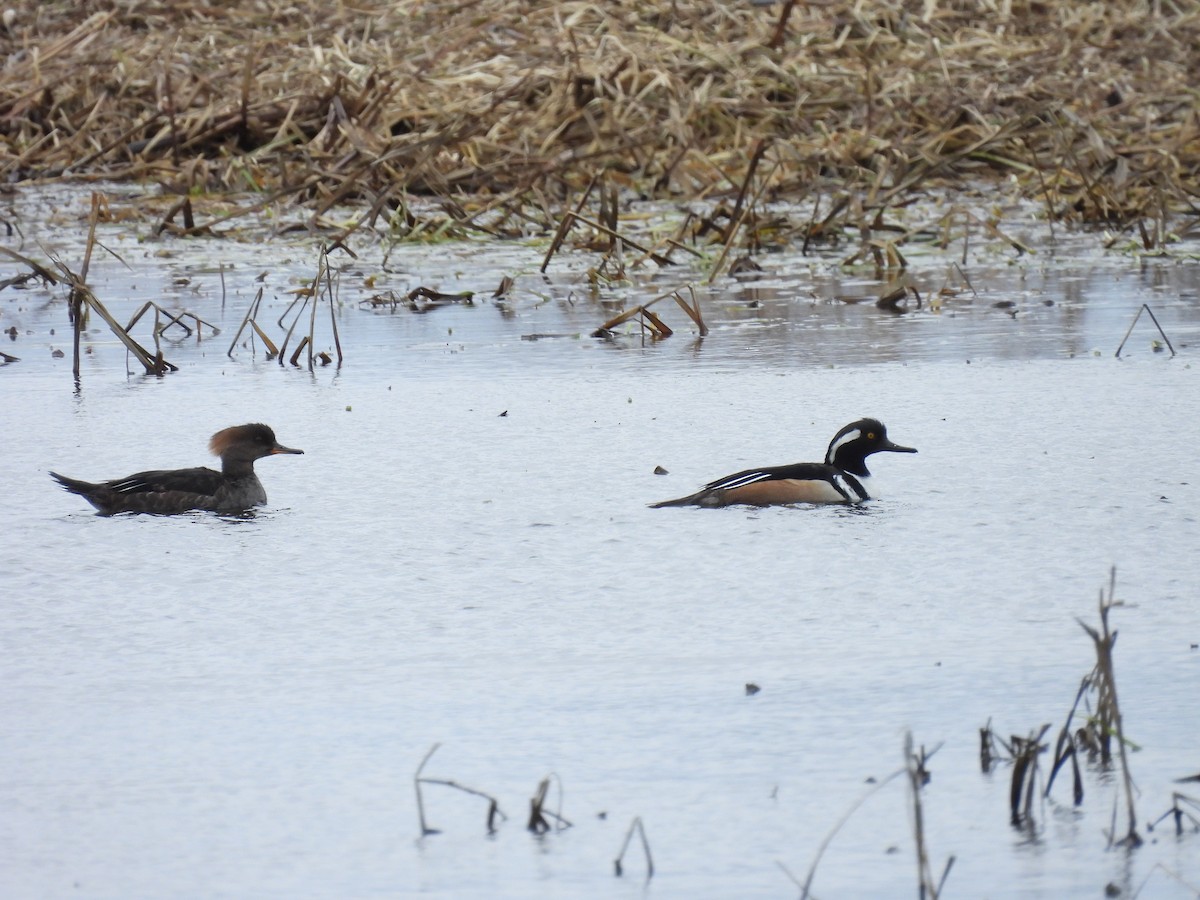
(231, 707)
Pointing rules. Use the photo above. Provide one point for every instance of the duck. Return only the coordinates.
(234, 489)
(842, 478)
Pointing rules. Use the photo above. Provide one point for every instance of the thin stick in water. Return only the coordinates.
(1145, 308)
(635, 825)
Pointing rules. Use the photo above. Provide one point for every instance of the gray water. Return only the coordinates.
(205, 706)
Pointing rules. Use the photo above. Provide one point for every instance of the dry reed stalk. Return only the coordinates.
(303, 297)
(1144, 308)
(493, 805)
(635, 825)
(251, 319)
(915, 766)
(172, 320)
(657, 327)
(1067, 748)
(1025, 755)
(1108, 710)
(538, 813)
(81, 301)
(806, 885)
(987, 748)
(1183, 809)
(309, 298)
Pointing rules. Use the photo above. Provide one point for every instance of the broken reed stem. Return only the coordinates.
(635, 825)
(537, 822)
(806, 888)
(734, 227)
(81, 301)
(537, 807)
(760, 147)
(565, 223)
(915, 770)
(425, 829)
(1103, 641)
(616, 236)
(304, 342)
(77, 297)
(303, 300)
(658, 328)
(780, 31)
(1045, 191)
(251, 312)
(493, 805)
(1066, 747)
(987, 747)
(1025, 753)
(692, 309)
(322, 268)
(915, 765)
(742, 212)
(337, 340)
(1146, 309)
(1178, 814)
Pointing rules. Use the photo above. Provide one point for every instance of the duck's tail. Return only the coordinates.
(696, 499)
(74, 485)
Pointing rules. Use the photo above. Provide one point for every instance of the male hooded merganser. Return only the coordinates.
(234, 489)
(840, 479)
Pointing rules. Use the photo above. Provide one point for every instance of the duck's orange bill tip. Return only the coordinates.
(279, 448)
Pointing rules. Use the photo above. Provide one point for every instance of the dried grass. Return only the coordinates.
(503, 109)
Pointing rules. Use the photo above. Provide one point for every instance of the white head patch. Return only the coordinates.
(845, 439)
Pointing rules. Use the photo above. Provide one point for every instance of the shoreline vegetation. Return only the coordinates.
(503, 113)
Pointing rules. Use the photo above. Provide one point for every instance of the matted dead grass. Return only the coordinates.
(510, 108)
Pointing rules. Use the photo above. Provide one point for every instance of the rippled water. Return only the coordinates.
(229, 707)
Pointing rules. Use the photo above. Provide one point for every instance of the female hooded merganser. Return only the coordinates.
(234, 489)
(840, 479)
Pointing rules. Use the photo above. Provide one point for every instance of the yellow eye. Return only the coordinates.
(870, 435)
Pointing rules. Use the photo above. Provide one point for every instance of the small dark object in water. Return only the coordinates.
(744, 264)
(892, 299)
(659, 470)
(752, 689)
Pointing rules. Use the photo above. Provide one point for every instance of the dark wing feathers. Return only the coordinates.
(796, 471)
(199, 481)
